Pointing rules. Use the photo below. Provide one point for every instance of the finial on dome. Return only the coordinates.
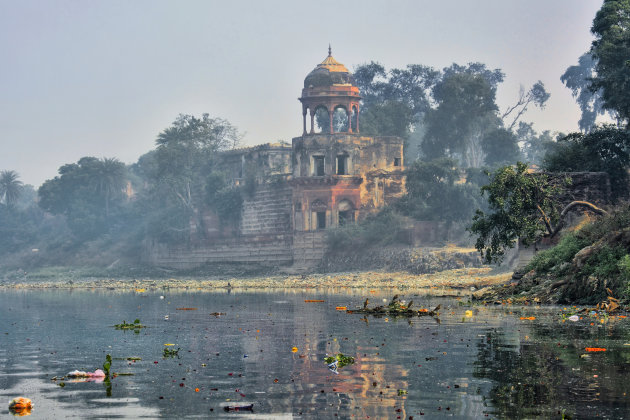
(329, 51)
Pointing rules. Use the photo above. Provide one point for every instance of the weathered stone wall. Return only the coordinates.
(268, 211)
(264, 236)
(413, 260)
(584, 186)
(270, 250)
(308, 249)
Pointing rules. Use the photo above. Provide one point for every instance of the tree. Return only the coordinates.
(84, 192)
(501, 147)
(578, 79)
(185, 155)
(611, 50)
(533, 145)
(604, 149)
(434, 192)
(521, 206)
(111, 180)
(466, 110)
(10, 187)
(536, 95)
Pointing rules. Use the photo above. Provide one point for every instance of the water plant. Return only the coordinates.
(135, 326)
(340, 359)
(170, 352)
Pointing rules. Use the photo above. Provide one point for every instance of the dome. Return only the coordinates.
(328, 73)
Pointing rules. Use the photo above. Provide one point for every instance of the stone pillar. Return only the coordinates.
(304, 121)
(349, 114)
(330, 117)
(312, 121)
(357, 118)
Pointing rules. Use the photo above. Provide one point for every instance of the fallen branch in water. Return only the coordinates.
(395, 308)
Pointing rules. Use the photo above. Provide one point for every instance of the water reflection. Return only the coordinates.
(486, 362)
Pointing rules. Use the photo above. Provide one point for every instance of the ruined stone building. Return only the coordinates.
(294, 192)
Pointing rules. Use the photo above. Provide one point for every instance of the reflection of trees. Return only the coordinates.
(526, 381)
(547, 377)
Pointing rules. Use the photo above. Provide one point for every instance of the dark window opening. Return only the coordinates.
(342, 165)
(346, 217)
(318, 162)
(396, 161)
(321, 220)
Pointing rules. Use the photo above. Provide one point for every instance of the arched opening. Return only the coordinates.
(340, 119)
(355, 119)
(345, 211)
(322, 120)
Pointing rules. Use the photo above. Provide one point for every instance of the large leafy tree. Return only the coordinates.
(523, 206)
(611, 50)
(466, 110)
(186, 153)
(434, 192)
(84, 192)
(10, 187)
(578, 79)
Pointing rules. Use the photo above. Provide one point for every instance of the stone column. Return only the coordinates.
(330, 117)
(304, 122)
(349, 114)
(312, 121)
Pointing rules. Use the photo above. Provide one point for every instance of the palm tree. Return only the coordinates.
(111, 179)
(10, 187)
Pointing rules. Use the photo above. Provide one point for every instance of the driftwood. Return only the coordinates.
(394, 308)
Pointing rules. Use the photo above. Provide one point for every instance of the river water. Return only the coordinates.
(267, 349)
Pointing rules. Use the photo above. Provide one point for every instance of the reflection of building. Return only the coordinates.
(323, 179)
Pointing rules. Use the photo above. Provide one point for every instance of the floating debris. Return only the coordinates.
(241, 407)
(338, 361)
(395, 308)
(20, 406)
(186, 309)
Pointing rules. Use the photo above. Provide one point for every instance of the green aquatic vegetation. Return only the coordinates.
(107, 365)
(341, 360)
(135, 326)
(170, 352)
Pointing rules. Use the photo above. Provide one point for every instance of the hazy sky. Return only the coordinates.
(103, 78)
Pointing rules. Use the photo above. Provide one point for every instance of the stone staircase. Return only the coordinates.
(268, 211)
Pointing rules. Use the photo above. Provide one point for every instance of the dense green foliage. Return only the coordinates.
(604, 149)
(519, 203)
(86, 193)
(437, 190)
(449, 113)
(611, 50)
(590, 260)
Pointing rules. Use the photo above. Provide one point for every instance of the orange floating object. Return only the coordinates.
(313, 300)
(294, 349)
(20, 407)
(530, 318)
(186, 309)
(341, 308)
(595, 349)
